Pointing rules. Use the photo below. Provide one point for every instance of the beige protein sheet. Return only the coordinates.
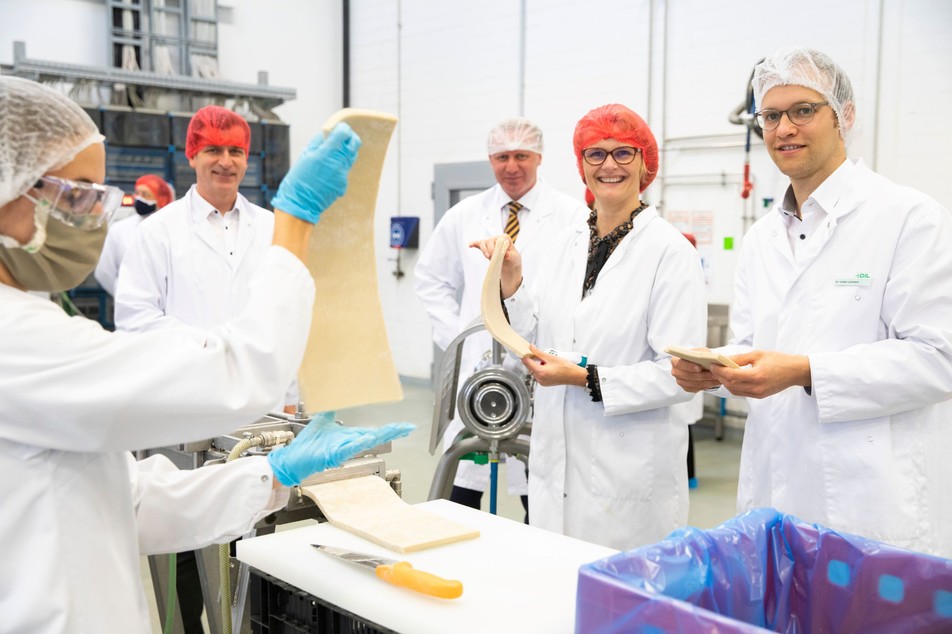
(491, 308)
(368, 507)
(347, 361)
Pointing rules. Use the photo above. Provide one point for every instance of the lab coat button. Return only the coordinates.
(858, 297)
(264, 478)
(621, 434)
(869, 439)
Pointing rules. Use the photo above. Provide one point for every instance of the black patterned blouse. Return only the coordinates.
(600, 249)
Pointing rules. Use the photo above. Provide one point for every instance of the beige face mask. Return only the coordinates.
(66, 258)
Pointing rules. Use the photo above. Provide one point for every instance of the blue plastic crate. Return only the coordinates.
(277, 607)
(254, 173)
(254, 195)
(124, 126)
(127, 164)
(765, 571)
(178, 127)
(183, 174)
(277, 152)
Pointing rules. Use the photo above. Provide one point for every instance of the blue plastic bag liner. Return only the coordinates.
(765, 571)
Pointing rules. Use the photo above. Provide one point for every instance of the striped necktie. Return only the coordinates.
(512, 225)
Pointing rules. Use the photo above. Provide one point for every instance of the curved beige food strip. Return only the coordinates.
(348, 361)
(368, 507)
(490, 305)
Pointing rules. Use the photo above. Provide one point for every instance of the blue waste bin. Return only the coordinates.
(765, 571)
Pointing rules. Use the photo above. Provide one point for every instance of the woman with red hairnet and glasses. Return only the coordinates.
(608, 453)
(152, 193)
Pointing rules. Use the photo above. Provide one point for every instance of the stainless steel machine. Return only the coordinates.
(255, 439)
(494, 404)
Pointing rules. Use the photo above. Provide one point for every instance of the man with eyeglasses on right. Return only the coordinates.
(842, 326)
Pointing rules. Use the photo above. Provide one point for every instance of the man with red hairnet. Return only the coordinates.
(449, 276)
(608, 452)
(152, 193)
(190, 265)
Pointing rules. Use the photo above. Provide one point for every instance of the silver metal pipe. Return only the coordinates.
(651, 12)
(497, 353)
(442, 485)
(704, 146)
(703, 179)
(709, 175)
(720, 135)
(664, 98)
(873, 163)
(522, 58)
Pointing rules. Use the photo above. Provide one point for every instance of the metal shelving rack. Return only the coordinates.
(166, 35)
(38, 70)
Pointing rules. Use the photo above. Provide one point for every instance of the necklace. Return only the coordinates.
(600, 249)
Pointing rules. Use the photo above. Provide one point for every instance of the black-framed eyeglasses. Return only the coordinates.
(798, 114)
(622, 155)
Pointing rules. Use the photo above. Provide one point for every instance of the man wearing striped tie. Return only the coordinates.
(449, 275)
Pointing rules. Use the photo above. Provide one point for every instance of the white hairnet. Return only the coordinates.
(814, 70)
(40, 130)
(515, 134)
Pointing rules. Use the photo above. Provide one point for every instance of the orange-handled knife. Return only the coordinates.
(400, 573)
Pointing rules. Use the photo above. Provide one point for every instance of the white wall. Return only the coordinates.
(299, 44)
(78, 33)
(450, 70)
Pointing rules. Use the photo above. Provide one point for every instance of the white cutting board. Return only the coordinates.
(515, 578)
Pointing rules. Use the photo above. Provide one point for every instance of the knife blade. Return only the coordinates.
(399, 573)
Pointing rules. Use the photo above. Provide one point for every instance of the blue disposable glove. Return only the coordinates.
(319, 177)
(324, 444)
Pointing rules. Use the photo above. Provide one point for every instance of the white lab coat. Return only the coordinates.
(178, 276)
(613, 473)
(119, 238)
(77, 399)
(870, 451)
(447, 264)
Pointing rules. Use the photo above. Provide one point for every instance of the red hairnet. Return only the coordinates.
(161, 190)
(615, 121)
(214, 125)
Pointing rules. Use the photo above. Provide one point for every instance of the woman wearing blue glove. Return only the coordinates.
(78, 510)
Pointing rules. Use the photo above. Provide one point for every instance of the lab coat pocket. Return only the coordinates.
(873, 480)
(620, 458)
(850, 313)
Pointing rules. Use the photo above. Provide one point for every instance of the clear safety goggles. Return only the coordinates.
(82, 205)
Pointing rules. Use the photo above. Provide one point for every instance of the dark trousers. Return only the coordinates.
(473, 499)
(188, 586)
(690, 453)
